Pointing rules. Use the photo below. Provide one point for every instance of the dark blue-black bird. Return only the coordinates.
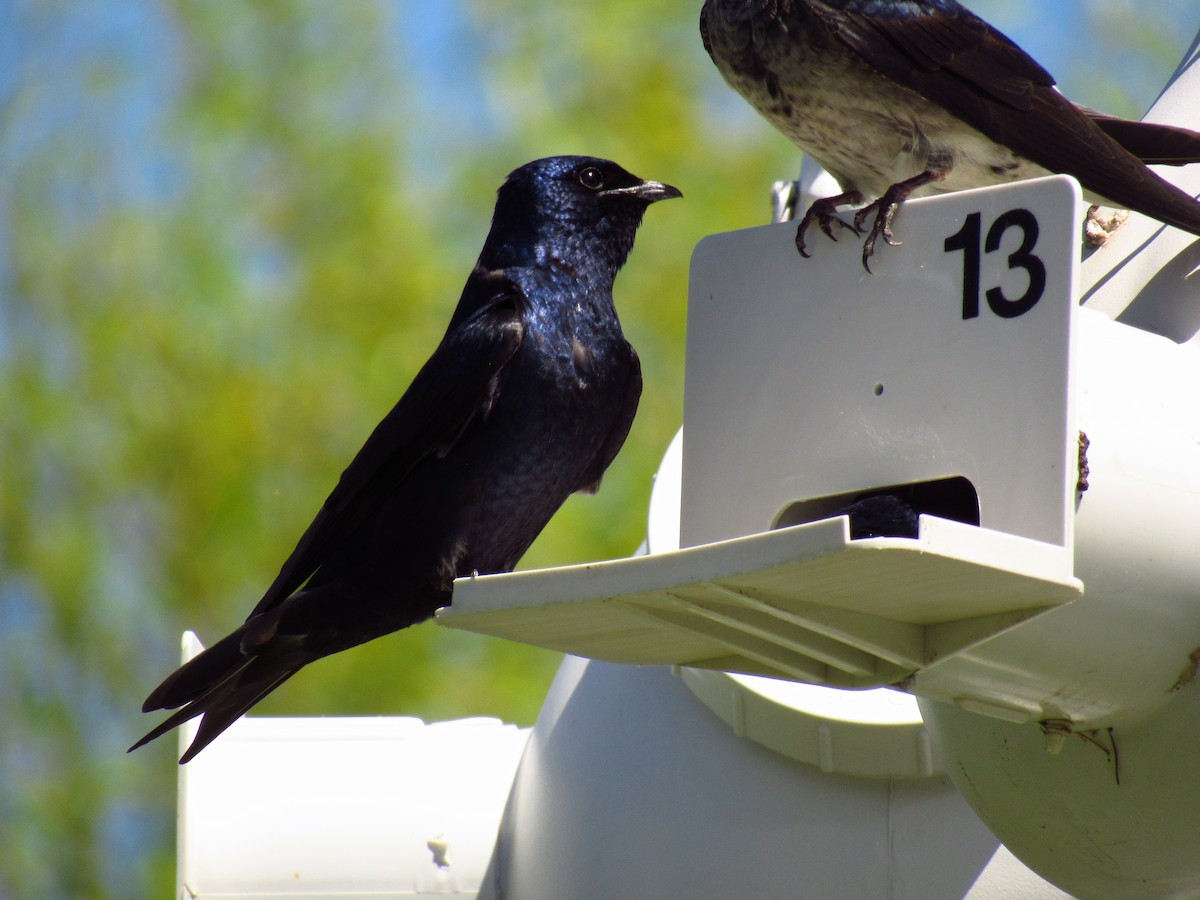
(906, 98)
(526, 400)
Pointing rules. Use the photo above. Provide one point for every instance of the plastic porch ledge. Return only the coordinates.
(803, 603)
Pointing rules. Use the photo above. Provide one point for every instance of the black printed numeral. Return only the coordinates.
(968, 240)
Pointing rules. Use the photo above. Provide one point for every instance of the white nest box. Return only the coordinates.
(1039, 413)
(989, 398)
(1047, 614)
(957, 377)
(812, 382)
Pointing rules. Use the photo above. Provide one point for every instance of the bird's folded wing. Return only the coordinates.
(973, 59)
(459, 382)
(957, 61)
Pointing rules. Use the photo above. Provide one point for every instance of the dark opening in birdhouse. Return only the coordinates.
(890, 511)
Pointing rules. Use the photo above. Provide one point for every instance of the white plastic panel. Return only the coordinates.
(875, 733)
(814, 378)
(631, 789)
(343, 807)
(1119, 653)
(805, 602)
(1111, 813)
(807, 378)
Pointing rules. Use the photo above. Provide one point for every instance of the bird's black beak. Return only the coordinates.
(648, 191)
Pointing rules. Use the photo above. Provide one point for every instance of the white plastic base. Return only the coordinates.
(1106, 813)
(341, 807)
(806, 602)
(631, 788)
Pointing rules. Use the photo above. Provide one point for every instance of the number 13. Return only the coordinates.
(967, 239)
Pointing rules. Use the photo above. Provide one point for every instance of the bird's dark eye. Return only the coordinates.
(591, 178)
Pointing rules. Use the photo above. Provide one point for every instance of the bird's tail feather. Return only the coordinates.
(237, 671)
(200, 674)
(1151, 142)
(225, 681)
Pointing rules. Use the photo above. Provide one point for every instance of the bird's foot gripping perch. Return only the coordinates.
(822, 212)
(884, 210)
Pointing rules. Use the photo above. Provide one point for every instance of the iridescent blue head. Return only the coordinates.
(564, 209)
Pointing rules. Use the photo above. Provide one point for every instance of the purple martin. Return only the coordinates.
(906, 98)
(527, 399)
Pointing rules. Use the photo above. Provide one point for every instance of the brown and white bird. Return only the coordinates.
(908, 98)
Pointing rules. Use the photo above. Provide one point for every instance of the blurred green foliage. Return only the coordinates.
(229, 235)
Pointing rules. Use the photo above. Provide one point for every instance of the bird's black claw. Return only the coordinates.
(884, 212)
(885, 208)
(872, 236)
(825, 221)
(813, 215)
(823, 213)
(800, 244)
(887, 215)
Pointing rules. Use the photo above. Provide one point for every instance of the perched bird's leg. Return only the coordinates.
(822, 212)
(885, 208)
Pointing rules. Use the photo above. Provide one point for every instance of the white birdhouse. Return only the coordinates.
(1000, 703)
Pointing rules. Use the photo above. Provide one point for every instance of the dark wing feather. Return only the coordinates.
(457, 384)
(953, 41)
(956, 60)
